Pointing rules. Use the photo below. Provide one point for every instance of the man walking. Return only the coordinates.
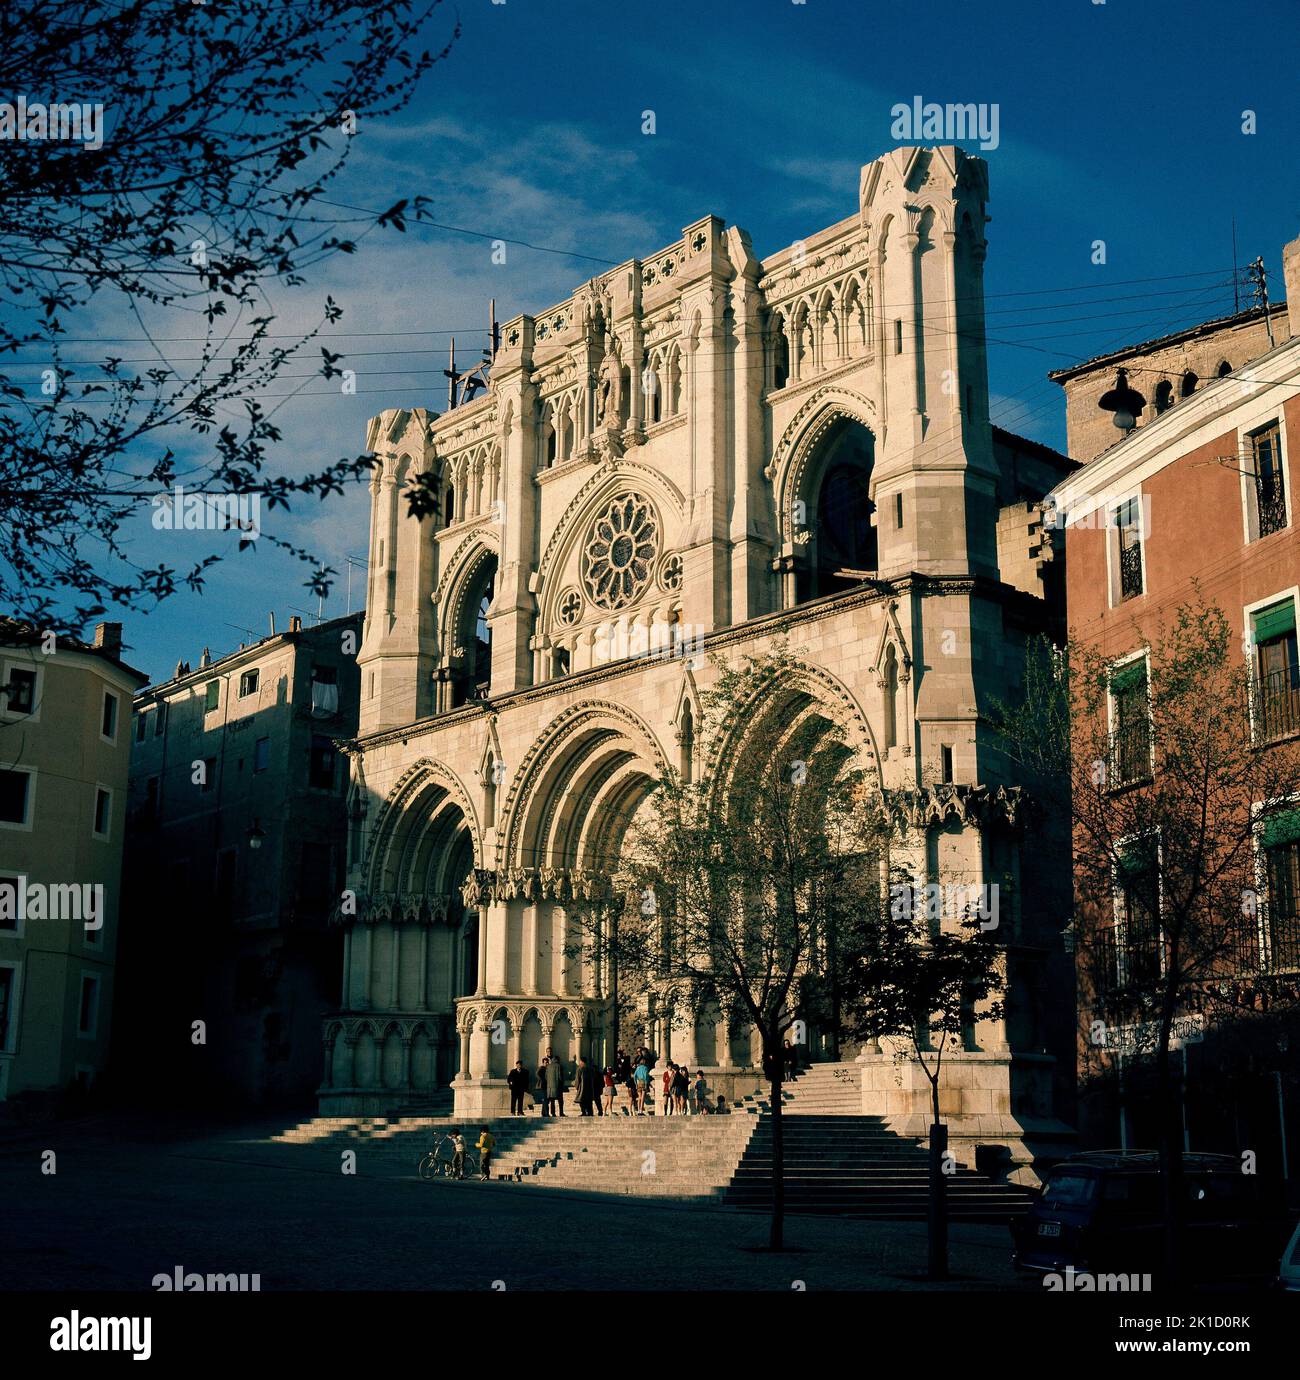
(517, 1080)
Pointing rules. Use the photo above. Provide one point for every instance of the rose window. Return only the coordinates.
(620, 552)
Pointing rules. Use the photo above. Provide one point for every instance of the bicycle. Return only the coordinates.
(440, 1161)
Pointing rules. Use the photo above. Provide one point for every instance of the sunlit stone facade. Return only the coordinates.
(698, 452)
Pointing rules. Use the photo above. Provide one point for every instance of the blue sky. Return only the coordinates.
(1119, 121)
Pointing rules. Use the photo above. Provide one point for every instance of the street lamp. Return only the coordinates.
(255, 835)
(1123, 401)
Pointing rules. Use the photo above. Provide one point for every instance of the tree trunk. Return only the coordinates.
(776, 1238)
(937, 1216)
(1171, 1164)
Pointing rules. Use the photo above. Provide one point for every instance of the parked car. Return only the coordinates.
(1103, 1213)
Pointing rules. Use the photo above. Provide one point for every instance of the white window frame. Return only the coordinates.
(1142, 654)
(31, 773)
(117, 716)
(15, 965)
(1252, 657)
(1274, 416)
(8, 715)
(1111, 512)
(1117, 903)
(240, 692)
(1261, 809)
(19, 930)
(89, 975)
(107, 835)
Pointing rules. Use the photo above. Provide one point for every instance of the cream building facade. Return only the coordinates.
(65, 747)
(698, 453)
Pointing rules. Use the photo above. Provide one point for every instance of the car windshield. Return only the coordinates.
(1069, 1190)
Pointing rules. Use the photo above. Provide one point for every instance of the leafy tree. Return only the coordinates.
(745, 876)
(203, 181)
(916, 981)
(1176, 764)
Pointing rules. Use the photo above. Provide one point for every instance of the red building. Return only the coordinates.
(1201, 496)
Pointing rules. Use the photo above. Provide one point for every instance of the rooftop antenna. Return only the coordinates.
(1259, 278)
(353, 561)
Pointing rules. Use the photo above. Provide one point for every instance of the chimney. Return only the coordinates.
(295, 624)
(108, 638)
(205, 659)
(1291, 277)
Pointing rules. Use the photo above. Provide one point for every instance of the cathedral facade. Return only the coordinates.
(698, 454)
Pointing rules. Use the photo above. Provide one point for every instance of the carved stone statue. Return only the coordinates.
(609, 389)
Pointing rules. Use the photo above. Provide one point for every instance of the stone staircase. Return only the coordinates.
(837, 1161)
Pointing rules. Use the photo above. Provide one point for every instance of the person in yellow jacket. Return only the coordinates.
(486, 1141)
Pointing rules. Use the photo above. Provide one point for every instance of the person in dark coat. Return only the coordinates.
(555, 1084)
(517, 1080)
(542, 1096)
(584, 1086)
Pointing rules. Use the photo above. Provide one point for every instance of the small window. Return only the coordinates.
(1164, 396)
(1130, 723)
(140, 726)
(1224, 369)
(898, 336)
(88, 1013)
(321, 773)
(945, 755)
(248, 683)
(1128, 549)
(10, 888)
(1268, 491)
(209, 773)
(22, 691)
(261, 754)
(15, 796)
(1277, 683)
(212, 696)
(160, 719)
(561, 661)
(1188, 385)
(1141, 945)
(898, 512)
(8, 994)
(108, 720)
(1280, 841)
(103, 812)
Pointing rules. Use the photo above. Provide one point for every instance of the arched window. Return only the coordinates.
(780, 356)
(550, 441)
(891, 699)
(1224, 368)
(674, 390)
(687, 741)
(472, 671)
(842, 551)
(1189, 384)
(566, 444)
(490, 791)
(1163, 398)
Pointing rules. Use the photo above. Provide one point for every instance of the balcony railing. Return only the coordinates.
(1283, 938)
(1132, 753)
(1277, 703)
(1270, 501)
(1130, 570)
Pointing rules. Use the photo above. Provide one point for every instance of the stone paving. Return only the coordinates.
(130, 1201)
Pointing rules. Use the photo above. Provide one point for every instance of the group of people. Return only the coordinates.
(629, 1083)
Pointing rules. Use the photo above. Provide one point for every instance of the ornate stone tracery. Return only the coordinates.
(620, 551)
